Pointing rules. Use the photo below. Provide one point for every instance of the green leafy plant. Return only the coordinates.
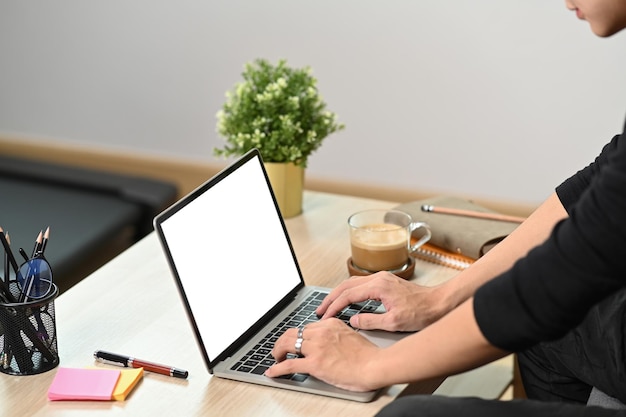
(276, 109)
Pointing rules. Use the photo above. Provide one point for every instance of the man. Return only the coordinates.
(561, 269)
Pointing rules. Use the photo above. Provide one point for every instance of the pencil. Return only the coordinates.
(37, 243)
(7, 273)
(46, 236)
(5, 290)
(7, 249)
(470, 213)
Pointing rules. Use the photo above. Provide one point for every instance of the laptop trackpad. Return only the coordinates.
(382, 338)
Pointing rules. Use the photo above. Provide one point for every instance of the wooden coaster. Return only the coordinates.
(406, 273)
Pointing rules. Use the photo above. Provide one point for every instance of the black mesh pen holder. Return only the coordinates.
(28, 336)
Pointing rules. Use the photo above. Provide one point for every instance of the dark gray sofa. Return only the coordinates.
(91, 214)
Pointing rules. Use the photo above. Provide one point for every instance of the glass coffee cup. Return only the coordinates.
(380, 240)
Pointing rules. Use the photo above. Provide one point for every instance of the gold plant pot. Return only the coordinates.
(287, 181)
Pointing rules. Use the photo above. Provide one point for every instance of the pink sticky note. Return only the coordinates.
(83, 384)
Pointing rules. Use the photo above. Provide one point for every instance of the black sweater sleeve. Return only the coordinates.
(570, 190)
(550, 290)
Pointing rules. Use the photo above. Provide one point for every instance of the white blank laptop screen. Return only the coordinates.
(231, 256)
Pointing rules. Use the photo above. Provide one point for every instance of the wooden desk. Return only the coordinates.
(131, 306)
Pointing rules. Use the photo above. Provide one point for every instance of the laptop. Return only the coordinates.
(238, 277)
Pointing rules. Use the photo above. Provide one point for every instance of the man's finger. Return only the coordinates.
(367, 321)
(338, 291)
(286, 367)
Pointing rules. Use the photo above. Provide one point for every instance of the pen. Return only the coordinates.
(130, 362)
(23, 253)
(470, 213)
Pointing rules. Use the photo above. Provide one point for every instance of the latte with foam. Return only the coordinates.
(380, 246)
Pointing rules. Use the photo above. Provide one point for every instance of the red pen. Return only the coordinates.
(130, 362)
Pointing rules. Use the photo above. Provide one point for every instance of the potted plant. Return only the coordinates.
(278, 110)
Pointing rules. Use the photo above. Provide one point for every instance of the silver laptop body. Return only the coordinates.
(237, 275)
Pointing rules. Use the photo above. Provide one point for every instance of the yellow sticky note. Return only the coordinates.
(127, 381)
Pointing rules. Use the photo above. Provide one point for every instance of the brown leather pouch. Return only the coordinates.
(469, 236)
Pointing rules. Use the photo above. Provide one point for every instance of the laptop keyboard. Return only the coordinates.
(259, 358)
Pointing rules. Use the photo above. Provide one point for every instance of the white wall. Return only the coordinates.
(494, 98)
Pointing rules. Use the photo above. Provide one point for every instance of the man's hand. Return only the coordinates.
(332, 352)
(410, 307)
